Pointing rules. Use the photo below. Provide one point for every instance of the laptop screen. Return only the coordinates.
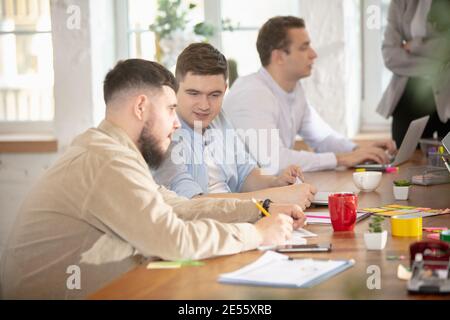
(446, 142)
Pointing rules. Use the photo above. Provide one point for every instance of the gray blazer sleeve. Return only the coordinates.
(395, 57)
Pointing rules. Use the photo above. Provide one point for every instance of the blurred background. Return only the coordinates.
(55, 54)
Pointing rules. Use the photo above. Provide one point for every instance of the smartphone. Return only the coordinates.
(326, 247)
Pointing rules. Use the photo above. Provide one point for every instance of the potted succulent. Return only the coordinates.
(401, 189)
(376, 237)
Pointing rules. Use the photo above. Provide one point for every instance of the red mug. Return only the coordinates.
(343, 207)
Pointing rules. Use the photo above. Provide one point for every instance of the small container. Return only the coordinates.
(435, 159)
(429, 145)
(375, 240)
(428, 175)
(401, 193)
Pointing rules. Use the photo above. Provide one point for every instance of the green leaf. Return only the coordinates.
(402, 183)
(204, 29)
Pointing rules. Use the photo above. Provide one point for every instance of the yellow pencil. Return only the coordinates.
(264, 211)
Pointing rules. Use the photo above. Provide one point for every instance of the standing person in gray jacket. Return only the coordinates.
(416, 49)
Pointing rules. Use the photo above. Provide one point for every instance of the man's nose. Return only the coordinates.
(176, 122)
(204, 103)
(313, 54)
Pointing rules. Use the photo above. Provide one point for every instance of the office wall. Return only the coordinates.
(334, 87)
(82, 56)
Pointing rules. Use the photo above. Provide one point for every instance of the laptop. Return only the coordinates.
(446, 144)
(409, 144)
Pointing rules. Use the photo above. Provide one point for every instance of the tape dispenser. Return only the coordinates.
(430, 267)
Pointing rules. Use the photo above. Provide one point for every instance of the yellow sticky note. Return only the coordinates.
(164, 265)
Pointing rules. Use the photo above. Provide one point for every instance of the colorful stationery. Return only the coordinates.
(396, 210)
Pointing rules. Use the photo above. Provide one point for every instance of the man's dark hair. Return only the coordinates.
(201, 59)
(274, 35)
(135, 74)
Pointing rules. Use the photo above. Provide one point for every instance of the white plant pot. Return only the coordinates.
(375, 240)
(401, 193)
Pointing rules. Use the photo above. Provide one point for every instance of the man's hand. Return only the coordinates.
(406, 45)
(276, 229)
(289, 176)
(292, 210)
(361, 155)
(299, 194)
(388, 145)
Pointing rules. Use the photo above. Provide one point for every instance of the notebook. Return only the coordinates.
(321, 198)
(278, 270)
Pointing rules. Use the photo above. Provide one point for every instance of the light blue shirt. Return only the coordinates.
(185, 171)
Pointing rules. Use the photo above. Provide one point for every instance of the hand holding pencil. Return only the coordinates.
(291, 210)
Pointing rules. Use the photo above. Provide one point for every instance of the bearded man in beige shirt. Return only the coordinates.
(97, 212)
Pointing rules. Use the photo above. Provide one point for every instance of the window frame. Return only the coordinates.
(372, 89)
(28, 126)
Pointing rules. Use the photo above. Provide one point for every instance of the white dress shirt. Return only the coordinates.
(256, 101)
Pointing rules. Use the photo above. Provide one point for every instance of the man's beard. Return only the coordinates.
(150, 149)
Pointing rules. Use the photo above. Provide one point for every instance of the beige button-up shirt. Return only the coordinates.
(97, 212)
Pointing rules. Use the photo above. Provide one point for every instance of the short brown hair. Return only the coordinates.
(201, 59)
(137, 73)
(274, 35)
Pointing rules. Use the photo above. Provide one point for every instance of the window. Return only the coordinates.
(141, 14)
(240, 44)
(376, 77)
(26, 64)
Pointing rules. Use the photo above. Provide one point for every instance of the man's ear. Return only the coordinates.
(277, 56)
(139, 106)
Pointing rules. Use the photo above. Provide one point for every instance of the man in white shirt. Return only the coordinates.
(273, 98)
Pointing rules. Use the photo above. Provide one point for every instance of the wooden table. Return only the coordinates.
(201, 282)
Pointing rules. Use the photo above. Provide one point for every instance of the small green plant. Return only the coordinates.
(173, 15)
(402, 183)
(375, 224)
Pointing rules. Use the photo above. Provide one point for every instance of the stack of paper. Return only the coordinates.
(275, 269)
(323, 217)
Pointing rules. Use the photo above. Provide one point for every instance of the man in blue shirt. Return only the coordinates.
(207, 157)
